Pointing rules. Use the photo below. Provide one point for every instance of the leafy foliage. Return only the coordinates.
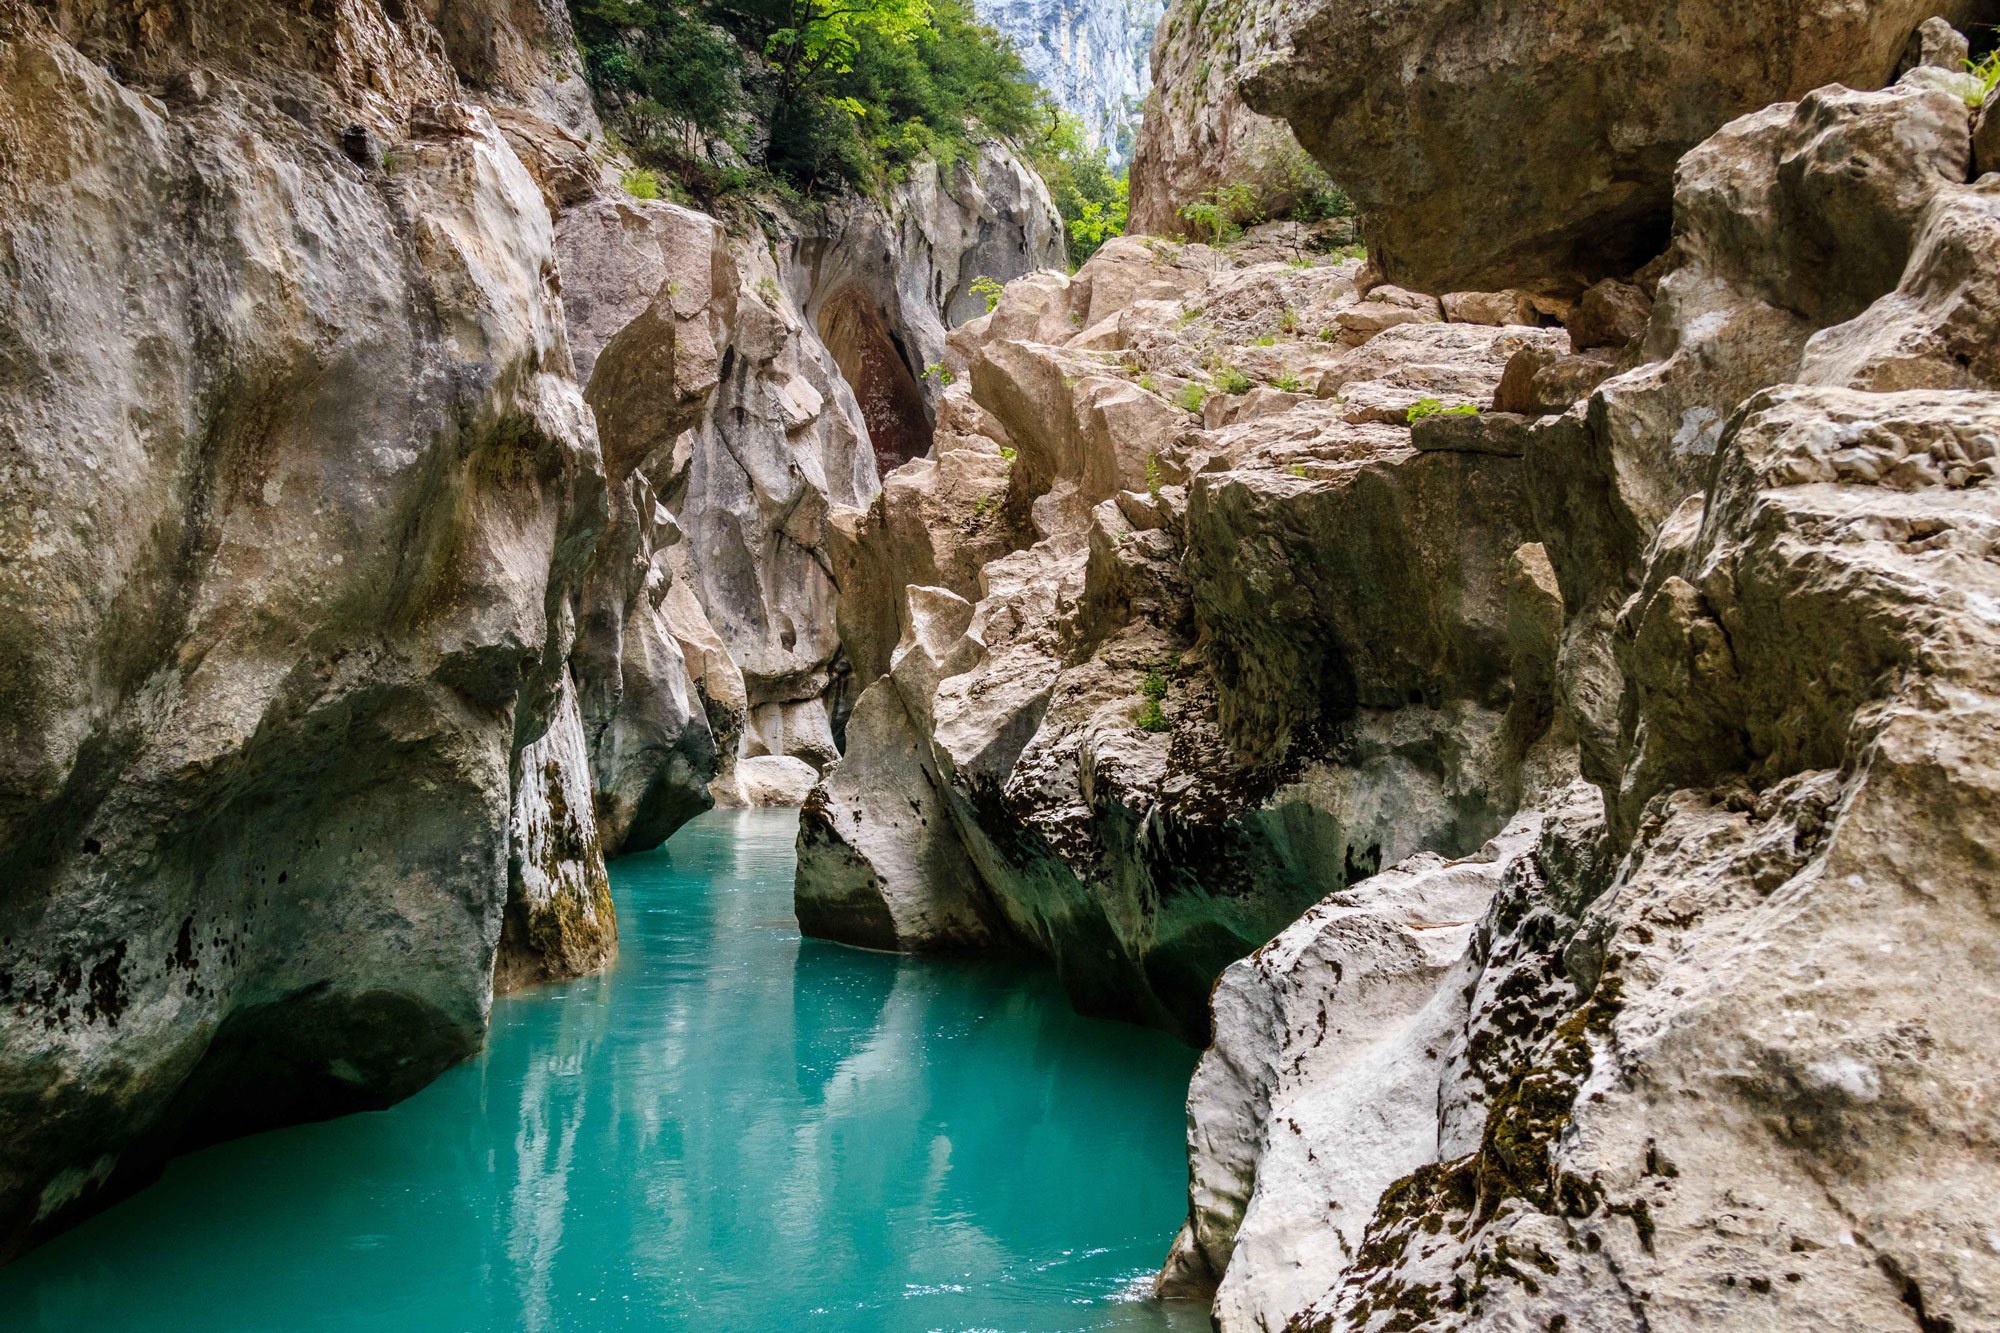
(1093, 202)
(1985, 77)
(1153, 689)
(1431, 407)
(988, 290)
(1221, 214)
(804, 96)
(640, 183)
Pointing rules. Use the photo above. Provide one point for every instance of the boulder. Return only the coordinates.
(772, 779)
(1537, 147)
(1513, 306)
(1609, 314)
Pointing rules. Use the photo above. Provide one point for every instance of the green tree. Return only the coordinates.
(673, 78)
(1092, 201)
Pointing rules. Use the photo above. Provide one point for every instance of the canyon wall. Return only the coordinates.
(1089, 54)
(1688, 1065)
(300, 496)
(1568, 676)
(1197, 134)
(400, 521)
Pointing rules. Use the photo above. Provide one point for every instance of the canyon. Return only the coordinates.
(349, 624)
(1520, 697)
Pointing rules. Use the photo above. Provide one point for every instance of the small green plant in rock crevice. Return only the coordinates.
(640, 183)
(1191, 397)
(1154, 687)
(1231, 380)
(988, 290)
(1985, 78)
(1431, 407)
(1154, 475)
(1008, 454)
(1287, 383)
(938, 373)
(767, 287)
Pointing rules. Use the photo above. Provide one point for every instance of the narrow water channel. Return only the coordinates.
(735, 1130)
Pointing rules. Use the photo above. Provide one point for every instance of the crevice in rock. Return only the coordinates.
(873, 362)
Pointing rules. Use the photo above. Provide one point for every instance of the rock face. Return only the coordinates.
(756, 393)
(1089, 54)
(301, 496)
(1329, 687)
(1197, 133)
(346, 620)
(1709, 1055)
(1492, 148)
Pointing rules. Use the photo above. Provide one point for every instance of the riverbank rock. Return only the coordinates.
(1216, 651)
(1537, 147)
(1689, 1068)
(300, 496)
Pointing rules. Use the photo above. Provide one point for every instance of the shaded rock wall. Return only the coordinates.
(1692, 1067)
(1197, 133)
(1494, 147)
(300, 495)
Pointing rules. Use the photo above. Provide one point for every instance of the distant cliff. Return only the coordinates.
(1090, 54)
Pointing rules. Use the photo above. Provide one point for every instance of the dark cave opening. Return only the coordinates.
(867, 352)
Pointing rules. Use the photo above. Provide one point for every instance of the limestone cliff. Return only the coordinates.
(1609, 653)
(1693, 1066)
(300, 496)
(1089, 54)
(1197, 134)
(399, 521)
(752, 388)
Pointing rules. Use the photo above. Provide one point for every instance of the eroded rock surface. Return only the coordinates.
(300, 494)
(1694, 1068)
(1536, 145)
(1227, 650)
(749, 397)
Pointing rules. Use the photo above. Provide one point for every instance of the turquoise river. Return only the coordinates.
(734, 1130)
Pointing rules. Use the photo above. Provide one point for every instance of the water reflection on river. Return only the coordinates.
(733, 1130)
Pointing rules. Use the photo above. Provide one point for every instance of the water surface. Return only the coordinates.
(735, 1130)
